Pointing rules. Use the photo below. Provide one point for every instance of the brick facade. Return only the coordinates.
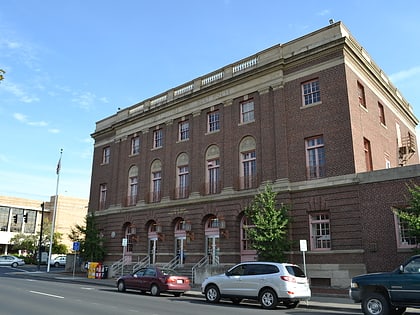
(273, 80)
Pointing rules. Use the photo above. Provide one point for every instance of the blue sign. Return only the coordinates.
(76, 246)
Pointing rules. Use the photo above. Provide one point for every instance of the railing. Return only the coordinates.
(142, 263)
(172, 264)
(202, 262)
(119, 266)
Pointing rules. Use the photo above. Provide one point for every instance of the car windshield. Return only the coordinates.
(295, 271)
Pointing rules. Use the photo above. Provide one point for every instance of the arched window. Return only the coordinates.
(132, 186)
(248, 163)
(213, 181)
(182, 176)
(156, 181)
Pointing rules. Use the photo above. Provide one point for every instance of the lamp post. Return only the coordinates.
(40, 237)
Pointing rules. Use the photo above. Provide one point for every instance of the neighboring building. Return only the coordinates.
(27, 213)
(315, 117)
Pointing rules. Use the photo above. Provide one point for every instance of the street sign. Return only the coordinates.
(76, 246)
(303, 246)
(124, 242)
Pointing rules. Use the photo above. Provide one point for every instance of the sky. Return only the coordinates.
(72, 63)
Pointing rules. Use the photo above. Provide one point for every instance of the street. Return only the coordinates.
(21, 294)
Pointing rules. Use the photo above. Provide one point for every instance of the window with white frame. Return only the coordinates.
(320, 231)
(184, 130)
(247, 111)
(405, 235)
(156, 186)
(183, 182)
(311, 93)
(315, 157)
(102, 196)
(361, 94)
(213, 176)
(135, 145)
(133, 190)
(157, 138)
(106, 154)
(213, 121)
(249, 169)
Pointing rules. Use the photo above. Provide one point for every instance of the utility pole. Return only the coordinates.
(40, 237)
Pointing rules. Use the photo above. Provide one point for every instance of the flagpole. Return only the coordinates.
(54, 212)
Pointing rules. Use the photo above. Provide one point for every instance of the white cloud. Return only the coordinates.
(405, 74)
(54, 130)
(24, 119)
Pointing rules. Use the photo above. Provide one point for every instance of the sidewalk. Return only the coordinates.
(316, 302)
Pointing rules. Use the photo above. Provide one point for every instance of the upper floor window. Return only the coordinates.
(213, 176)
(106, 154)
(315, 157)
(320, 231)
(157, 138)
(182, 181)
(311, 92)
(102, 196)
(247, 111)
(368, 154)
(135, 145)
(156, 181)
(184, 130)
(361, 94)
(133, 190)
(381, 114)
(213, 121)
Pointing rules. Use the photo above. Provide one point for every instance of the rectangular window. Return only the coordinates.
(102, 196)
(183, 174)
(156, 186)
(133, 189)
(247, 111)
(311, 92)
(213, 121)
(361, 94)
(405, 237)
(381, 114)
(213, 176)
(4, 218)
(368, 154)
(315, 157)
(320, 231)
(184, 130)
(135, 145)
(106, 154)
(157, 138)
(249, 169)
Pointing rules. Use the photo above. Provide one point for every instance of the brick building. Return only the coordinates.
(315, 118)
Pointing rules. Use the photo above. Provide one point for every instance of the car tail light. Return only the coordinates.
(170, 280)
(288, 278)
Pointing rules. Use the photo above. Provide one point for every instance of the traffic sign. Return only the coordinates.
(76, 246)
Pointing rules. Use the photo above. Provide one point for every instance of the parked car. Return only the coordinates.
(155, 281)
(58, 261)
(267, 282)
(10, 260)
(384, 293)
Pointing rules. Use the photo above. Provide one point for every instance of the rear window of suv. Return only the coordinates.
(295, 271)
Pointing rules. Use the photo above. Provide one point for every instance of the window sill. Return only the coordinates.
(311, 105)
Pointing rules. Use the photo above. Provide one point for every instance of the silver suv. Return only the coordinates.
(267, 282)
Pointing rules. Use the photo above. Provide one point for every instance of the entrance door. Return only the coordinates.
(152, 250)
(180, 249)
(212, 249)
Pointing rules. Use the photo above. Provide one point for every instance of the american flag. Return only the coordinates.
(59, 166)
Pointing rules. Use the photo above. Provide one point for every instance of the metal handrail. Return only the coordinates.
(145, 261)
(172, 264)
(202, 262)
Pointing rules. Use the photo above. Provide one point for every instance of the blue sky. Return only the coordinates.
(72, 63)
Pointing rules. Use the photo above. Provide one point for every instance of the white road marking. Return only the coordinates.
(46, 294)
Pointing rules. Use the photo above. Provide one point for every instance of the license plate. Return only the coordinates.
(179, 281)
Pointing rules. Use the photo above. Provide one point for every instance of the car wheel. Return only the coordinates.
(236, 300)
(375, 304)
(154, 290)
(14, 265)
(268, 299)
(291, 305)
(121, 286)
(212, 294)
(56, 265)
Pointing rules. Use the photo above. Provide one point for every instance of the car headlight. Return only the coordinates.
(354, 285)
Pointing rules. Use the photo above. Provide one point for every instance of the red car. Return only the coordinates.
(155, 281)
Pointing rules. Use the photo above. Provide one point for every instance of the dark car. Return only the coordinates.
(388, 292)
(154, 280)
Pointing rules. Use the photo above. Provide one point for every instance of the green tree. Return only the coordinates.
(90, 238)
(269, 234)
(1, 74)
(26, 242)
(411, 213)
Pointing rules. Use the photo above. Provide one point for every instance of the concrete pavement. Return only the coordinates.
(316, 302)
